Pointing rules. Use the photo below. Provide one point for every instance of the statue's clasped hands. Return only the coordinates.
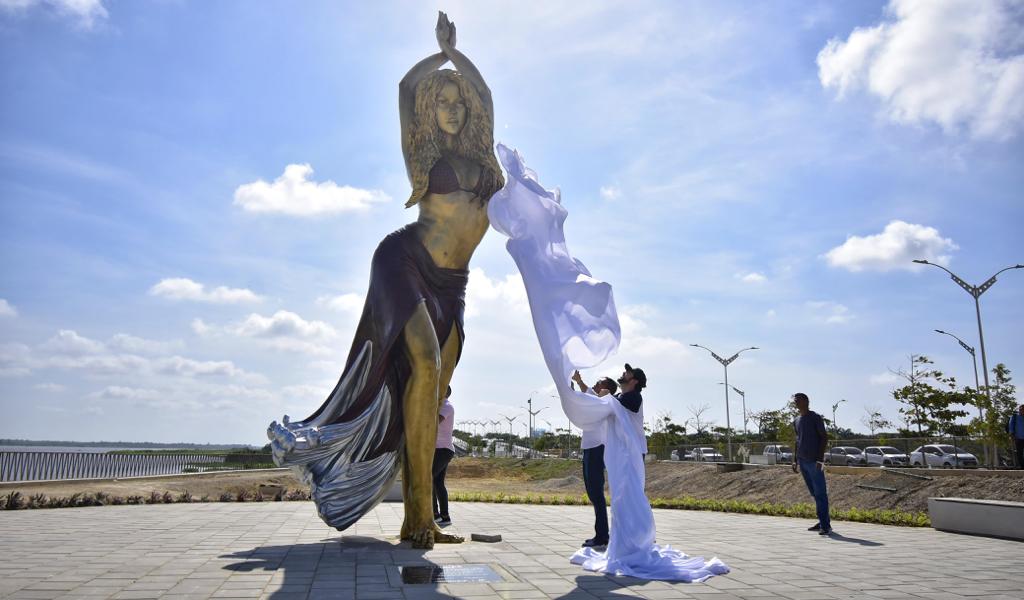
(445, 31)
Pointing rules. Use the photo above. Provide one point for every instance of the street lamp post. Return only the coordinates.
(725, 365)
(974, 360)
(976, 291)
(743, 396)
(835, 424)
(532, 420)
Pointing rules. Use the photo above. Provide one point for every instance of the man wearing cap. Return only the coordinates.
(592, 442)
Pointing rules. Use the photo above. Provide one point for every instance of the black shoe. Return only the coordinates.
(444, 520)
(595, 543)
(825, 532)
(815, 527)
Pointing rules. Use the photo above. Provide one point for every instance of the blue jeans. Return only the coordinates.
(815, 480)
(593, 481)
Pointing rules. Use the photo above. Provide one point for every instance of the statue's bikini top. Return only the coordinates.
(443, 180)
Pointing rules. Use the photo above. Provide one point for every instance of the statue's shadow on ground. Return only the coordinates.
(330, 564)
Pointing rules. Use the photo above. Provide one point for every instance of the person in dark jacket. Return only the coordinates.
(1015, 427)
(809, 458)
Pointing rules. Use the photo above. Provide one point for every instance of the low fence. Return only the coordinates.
(38, 466)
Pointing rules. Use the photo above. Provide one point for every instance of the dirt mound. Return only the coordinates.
(780, 485)
(887, 490)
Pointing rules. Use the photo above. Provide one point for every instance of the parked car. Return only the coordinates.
(946, 456)
(886, 456)
(707, 455)
(782, 454)
(845, 456)
(674, 455)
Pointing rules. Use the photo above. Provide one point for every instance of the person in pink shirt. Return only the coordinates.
(444, 452)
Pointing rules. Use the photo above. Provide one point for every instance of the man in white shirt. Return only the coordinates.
(592, 443)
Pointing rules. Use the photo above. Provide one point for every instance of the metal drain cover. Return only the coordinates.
(448, 574)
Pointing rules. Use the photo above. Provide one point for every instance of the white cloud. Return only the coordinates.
(187, 367)
(886, 378)
(610, 192)
(49, 387)
(284, 330)
(6, 310)
(348, 303)
(200, 327)
(486, 295)
(124, 342)
(751, 277)
(283, 324)
(120, 392)
(181, 288)
(306, 392)
(895, 248)
(294, 194)
(97, 364)
(958, 63)
(68, 342)
(14, 360)
(85, 12)
(831, 313)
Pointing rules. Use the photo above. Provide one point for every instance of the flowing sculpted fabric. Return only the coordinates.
(577, 328)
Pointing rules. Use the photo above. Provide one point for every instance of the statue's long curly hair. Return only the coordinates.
(475, 141)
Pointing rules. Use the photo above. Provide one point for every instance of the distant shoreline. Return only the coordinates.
(121, 445)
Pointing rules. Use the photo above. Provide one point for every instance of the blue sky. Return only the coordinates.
(190, 193)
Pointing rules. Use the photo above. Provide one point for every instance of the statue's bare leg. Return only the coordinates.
(419, 412)
(449, 355)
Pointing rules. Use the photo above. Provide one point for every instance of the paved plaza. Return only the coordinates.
(282, 550)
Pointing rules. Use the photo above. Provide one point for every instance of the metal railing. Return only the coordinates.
(39, 466)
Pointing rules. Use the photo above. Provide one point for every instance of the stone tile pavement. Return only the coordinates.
(283, 551)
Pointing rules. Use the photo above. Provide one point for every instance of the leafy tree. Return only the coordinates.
(929, 398)
(786, 416)
(698, 420)
(997, 411)
(772, 423)
(666, 433)
(874, 420)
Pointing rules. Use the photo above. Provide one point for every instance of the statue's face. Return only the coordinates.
(451, 109)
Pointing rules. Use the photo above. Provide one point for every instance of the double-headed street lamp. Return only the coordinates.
(974, 359)
(533, 413)
(725, 364)
(975, 291)
(510, 420)
(744, 397)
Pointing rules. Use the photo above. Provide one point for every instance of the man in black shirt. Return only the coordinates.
(631, 382)
(809, 458)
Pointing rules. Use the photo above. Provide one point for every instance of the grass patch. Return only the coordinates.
(803, 511)
(17, 501)
(532, 469)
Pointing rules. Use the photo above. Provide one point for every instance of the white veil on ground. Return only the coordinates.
(577, 328)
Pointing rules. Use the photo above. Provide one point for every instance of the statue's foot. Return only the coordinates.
(422, 538)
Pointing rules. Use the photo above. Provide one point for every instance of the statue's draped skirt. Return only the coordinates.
(348, 451)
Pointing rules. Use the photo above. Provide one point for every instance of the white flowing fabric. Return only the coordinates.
(577, 327)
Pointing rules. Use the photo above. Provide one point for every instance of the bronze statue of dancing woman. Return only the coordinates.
(384, 409)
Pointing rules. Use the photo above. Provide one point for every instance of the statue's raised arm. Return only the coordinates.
(447, 113)
(446, 41)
